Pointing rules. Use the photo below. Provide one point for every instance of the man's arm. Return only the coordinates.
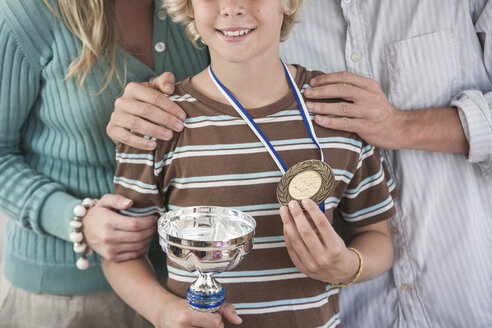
(376, 120)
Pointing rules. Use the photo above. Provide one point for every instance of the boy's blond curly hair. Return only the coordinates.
(180, 11)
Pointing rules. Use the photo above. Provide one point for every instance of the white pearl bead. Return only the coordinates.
(75, 224)
(82, 263)
(76, 237)
(79, 211)
(87, 202)
(79, 248)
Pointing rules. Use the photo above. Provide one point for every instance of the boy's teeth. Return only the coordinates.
(235, 33)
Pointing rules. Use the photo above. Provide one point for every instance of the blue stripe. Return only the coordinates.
(294, 301)
(136, 183)
(146, 209)
(210, 118)
(344, 173)
(268, 239)
(228, 177)
(228, 274)
(368, 209)
(364, 182)
(332, 200)
(335, 317)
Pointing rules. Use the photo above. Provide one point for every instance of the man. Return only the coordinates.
(433, 61)
(420, 85)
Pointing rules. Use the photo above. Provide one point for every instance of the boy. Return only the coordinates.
(288, 278)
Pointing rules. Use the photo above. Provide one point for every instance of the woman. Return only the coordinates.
(62, 66)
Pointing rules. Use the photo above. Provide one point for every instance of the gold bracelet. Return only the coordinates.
(357, 274)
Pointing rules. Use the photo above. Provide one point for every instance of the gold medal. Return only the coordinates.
(308, 179)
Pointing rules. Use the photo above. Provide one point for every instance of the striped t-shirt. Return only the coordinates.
(217, 160)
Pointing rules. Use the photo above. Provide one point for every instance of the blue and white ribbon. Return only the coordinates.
(254, 127)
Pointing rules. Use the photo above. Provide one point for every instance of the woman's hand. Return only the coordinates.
(314, 246)
(114, 236)
(144, 108)
(180, 315)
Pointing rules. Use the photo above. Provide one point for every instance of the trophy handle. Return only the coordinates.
(205, 293)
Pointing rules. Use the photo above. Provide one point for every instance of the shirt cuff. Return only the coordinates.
(56, 214)
(475, 116)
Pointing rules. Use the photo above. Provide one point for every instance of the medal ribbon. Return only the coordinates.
(254, 127)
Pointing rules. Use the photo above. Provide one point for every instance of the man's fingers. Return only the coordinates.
(345, 77)
(338, 90)
(342, 109)
(340, 123)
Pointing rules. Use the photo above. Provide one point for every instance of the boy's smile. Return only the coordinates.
(237, 31)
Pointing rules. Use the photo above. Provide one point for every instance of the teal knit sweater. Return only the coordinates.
(54, 150)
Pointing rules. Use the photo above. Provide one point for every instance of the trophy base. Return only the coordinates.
(205, 302)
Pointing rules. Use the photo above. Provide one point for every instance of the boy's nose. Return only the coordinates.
(232, 8)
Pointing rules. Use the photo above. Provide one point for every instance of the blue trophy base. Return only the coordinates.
(206, 302)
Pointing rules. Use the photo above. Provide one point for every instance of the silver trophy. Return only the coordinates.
(210, 240)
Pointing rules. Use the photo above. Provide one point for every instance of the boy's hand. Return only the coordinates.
(314, 246)
(144, 108)
(180, 315)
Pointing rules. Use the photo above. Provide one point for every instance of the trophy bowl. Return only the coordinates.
(207, 239)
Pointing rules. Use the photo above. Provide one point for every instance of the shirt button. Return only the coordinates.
(405, 287)
(160, 46)
(395, 231)
(355, 56)
(161, 15)
(347, 1)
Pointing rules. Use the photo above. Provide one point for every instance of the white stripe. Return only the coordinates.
(232, 122)
(226, 183)
(292, 307)
(234, 280)
(135, 161)
(136, 188)
(370, 214)
(204, 153)
(365, 187)
(269, 245)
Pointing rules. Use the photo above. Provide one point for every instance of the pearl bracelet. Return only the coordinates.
(77, 237)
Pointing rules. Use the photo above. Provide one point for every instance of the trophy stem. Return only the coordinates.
(205, 293)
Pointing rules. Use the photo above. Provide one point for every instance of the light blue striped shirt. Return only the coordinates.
(426, 53)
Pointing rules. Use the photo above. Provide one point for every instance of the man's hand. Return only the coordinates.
(370, 114)
(144, 108)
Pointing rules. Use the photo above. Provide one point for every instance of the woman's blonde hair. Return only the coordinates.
(93, 23)
(181, 11)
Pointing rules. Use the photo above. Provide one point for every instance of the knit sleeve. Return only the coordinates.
(23, 192)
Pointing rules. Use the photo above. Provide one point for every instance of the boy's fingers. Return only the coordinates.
(306, 231)
(228, 311)
(320, 221)
(293, 235)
